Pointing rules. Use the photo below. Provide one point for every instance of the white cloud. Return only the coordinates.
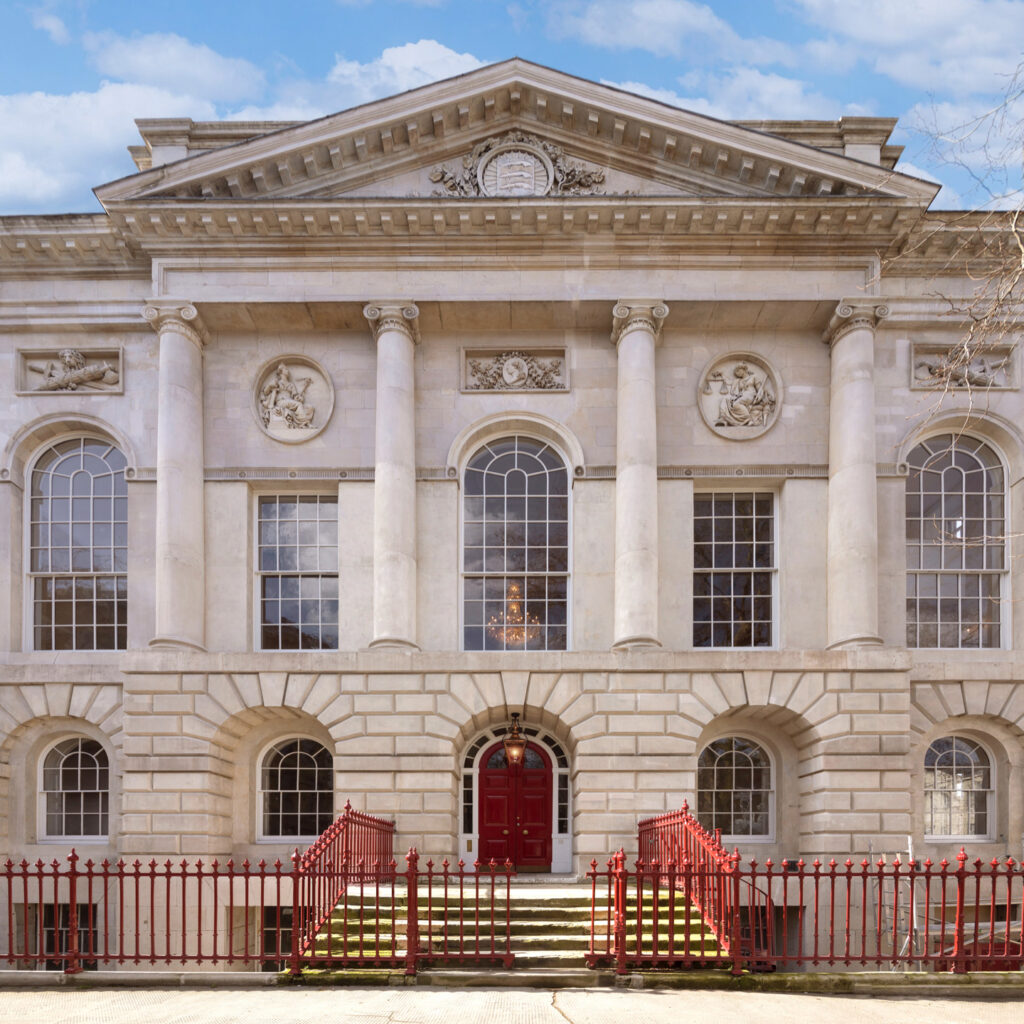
(52, 26)
(350, 83)
(399, 68)
(742, 94)
(54, 148)
(666, 28)
(171, 62)
(960, 47)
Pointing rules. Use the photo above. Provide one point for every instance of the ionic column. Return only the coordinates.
(852, 566)
(180, 522)
(396, 332)
(635, 331)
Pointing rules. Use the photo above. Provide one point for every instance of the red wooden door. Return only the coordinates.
(515, 809)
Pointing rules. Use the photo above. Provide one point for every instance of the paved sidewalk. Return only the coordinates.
(479, 1006)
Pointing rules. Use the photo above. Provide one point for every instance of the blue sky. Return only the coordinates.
(74, 74)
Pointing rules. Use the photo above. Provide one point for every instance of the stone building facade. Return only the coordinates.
(335, 444)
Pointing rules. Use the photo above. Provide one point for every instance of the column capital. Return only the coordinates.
(393, 316)
(630, 313)
(178, 314)
(851, 314)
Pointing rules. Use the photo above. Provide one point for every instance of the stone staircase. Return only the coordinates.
(550, 933)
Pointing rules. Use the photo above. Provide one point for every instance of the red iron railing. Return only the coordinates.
(694, 904)
(343, 903)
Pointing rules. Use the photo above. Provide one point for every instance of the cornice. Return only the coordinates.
(430, 119)
(80, 315)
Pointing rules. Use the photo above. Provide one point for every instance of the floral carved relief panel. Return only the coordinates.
(514, 370)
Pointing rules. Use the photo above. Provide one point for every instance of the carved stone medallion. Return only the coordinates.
(293, 399)
(517, 164)
(535, 370)
(70, 371)
(937, 368)
(739, 396)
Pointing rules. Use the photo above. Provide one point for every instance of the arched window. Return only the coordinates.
(78, 547)
(955, 543)
(76, 790)
(296, 790)
(957, 789)
(734, 788)
(516, 548)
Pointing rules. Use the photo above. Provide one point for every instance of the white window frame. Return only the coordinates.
(259, 573)
(753, 490)
(1003, 574)
(765, 838)
(30, 575)
(42, 832)
(991, 805)
(499, 435)
(261, 836)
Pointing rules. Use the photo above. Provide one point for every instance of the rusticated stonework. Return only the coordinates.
(518, 164)
(519, 370)
(70, 370)
(739, 396)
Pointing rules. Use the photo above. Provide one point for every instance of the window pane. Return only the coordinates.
(519, 551)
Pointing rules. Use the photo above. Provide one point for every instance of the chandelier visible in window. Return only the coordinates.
(514, 627)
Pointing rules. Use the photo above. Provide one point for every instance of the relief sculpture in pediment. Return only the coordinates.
(517, 164)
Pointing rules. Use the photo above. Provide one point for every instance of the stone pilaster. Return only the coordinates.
(396, 332)
(635, 331)
(180, 607)
(852, 491)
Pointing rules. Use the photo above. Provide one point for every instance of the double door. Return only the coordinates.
(515, 809)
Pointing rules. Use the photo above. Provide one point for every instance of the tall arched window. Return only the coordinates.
(957, 789)
(78, 547)
(516, 548)
(76, 790)
(955, 543)
(296, 790)
(734, 788)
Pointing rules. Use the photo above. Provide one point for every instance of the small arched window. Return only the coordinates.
(78, 547)
(957, 789)
(734, 788)
(516, 548)
(955, 543)
(296, 790)
(76, 790)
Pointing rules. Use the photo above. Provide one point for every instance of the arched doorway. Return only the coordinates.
(515, 808)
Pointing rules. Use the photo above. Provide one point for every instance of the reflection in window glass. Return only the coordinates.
(733, 569)
(78, 548)
(957, 788)
(515, 548)
(734, 787)
(298, 568)
(76, 789)
(955, 543)
(297, 789)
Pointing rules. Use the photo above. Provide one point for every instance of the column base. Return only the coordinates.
(392, 643)
(862, 640)
(175, 643)
(634, 643)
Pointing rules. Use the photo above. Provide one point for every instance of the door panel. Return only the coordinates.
(515, 809)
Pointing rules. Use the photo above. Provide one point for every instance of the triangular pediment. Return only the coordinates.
(512, 130)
